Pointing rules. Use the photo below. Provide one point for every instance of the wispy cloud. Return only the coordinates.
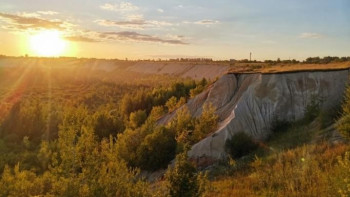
(309, 35)
(129, 36)
(80, 39)
(206, 22)
(134, 36)
(25, 22)
(37, 13)
(160, 10)
(133, 24)
(119, 7)
(48, 12)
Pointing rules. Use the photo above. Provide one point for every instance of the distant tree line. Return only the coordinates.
(309, 60)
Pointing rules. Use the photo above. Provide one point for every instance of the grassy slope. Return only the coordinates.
(299, 161)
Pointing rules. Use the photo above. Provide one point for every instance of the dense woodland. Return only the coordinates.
(65, 132)
(77, 132)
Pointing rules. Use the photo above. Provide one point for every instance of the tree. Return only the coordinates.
(137, 118)
(206, 123)
(129, 142)
(106, 124)
(183, 179)
(240, 145)
(157, 149)
(157, 112)
(182, 125)
(343, 124)
(171, 104)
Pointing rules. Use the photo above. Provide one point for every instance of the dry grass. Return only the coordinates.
(280, 68)
(310, 170)
(294, 164)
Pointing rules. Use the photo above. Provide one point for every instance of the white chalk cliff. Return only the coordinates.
(249, 103)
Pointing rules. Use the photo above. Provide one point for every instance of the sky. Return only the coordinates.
(152, 29)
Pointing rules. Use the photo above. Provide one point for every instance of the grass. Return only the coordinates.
(281, 68)
(294, 162)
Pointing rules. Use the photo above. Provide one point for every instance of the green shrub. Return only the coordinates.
(240, 145)
(278, 125)
(343, 124)
(183, 180)
(157, 149)
(312, 110)
(137, 118)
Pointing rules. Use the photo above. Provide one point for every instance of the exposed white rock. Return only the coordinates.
(249, 103)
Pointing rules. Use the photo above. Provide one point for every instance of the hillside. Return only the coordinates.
(87, 127)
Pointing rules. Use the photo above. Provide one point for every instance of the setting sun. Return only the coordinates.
(47, 43)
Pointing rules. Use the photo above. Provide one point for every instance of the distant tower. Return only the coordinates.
(250, 57)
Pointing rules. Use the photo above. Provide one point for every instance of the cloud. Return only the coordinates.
(133, 24)
(121, 7)
(134, 17)
(80, 39)
(206, 22)
(28, 14)
(20, 22)
(307, 35)
(36, 14)
(160, 10)
(134, 36)
(131, 36)
(48, 12)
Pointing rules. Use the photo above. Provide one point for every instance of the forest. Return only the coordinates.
(69, 134)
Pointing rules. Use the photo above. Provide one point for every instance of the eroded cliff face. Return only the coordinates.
(249, 103)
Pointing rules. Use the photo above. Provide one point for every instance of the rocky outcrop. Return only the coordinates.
(249, 103)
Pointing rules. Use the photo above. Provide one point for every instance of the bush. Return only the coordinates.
(278, 125)
(184, 180)
(343, 124)
(157, 149)
(137, 118)
(240, 145)
(312, 110)
(206, 123)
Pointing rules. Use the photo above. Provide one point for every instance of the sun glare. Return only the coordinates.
(47, 43)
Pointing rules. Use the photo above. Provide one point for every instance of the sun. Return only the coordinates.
(47, 43)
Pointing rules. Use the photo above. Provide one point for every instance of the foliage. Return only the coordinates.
(310, 170)
(157, 149)
(107, 123)
(183, 179)
(171, 104)
(81, 167)
(149, 147)
(71, 131)
(157, 112)
(137, 118)
(325, 60)
(182, 124)
(343, 124)
(240, 145)
(191, 130)
(312, 109)
(206, 123)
